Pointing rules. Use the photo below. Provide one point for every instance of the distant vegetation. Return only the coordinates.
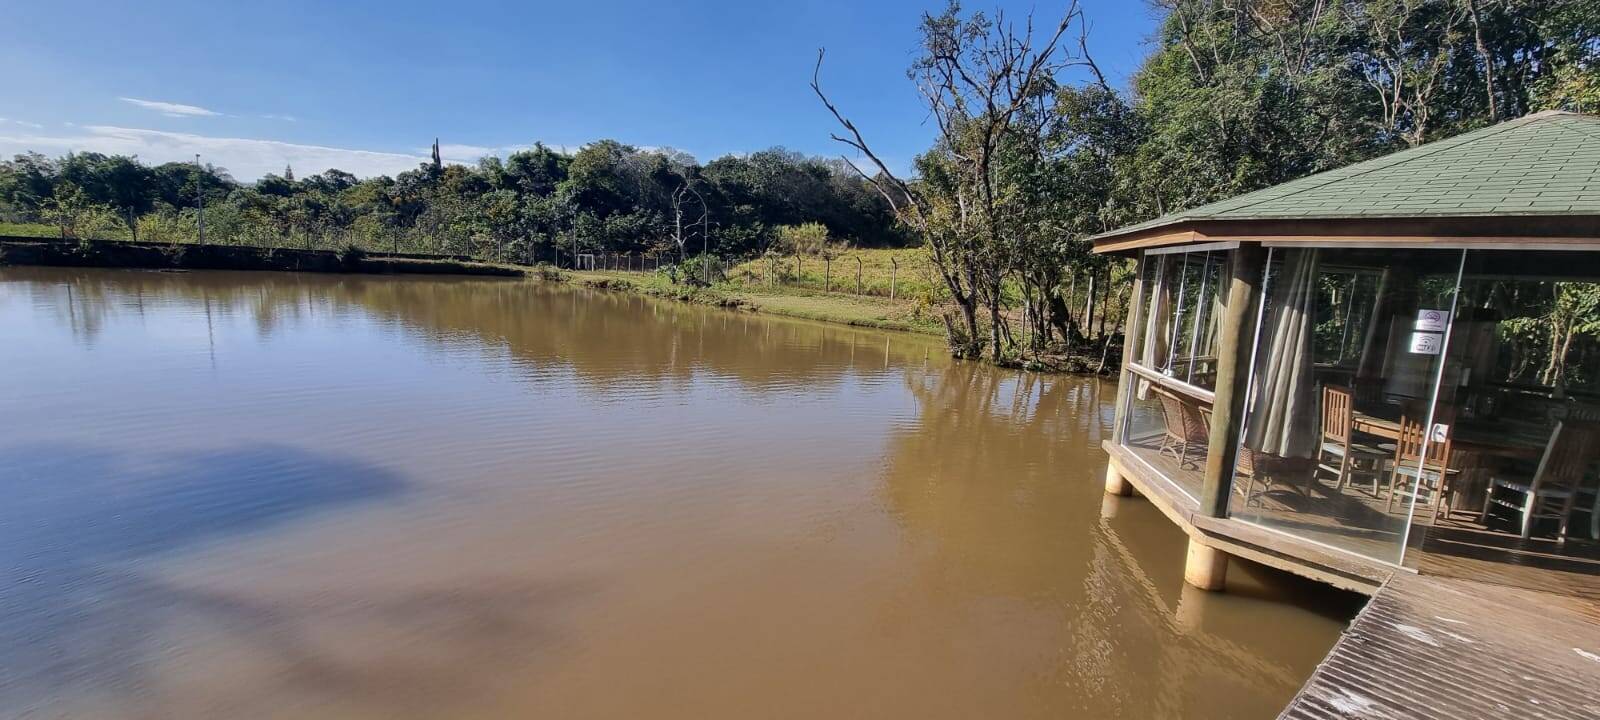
(534, 205)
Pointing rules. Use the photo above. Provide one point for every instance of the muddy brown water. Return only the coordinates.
(264, 495)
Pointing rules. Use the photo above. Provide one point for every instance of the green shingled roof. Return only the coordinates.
(1543, 164)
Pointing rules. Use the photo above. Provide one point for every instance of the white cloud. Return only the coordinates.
(23, 123)
(171, 109)
(285, 118)
(470, 154)
(245, 158)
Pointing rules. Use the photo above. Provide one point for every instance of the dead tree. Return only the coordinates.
(975, 76)
(679, 197)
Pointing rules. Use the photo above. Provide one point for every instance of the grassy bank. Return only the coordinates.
(906, 271)
(863, 311)
(911, 315)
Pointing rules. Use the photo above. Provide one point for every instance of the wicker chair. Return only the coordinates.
(1187, 434)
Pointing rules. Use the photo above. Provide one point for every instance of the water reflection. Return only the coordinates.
(260, 494)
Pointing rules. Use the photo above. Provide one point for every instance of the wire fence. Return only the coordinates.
(829, 275)
(847, 275)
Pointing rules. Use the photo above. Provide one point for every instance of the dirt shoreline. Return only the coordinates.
(161, 256)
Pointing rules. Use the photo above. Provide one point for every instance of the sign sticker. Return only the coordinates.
(1432, 320)
(1427, 343)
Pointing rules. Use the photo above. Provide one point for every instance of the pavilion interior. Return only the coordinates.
(1432, 408)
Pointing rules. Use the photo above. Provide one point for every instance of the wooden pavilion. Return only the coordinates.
(1389, 367)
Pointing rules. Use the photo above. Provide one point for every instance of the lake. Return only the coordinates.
(265, 495)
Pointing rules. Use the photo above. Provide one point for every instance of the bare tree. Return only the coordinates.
(679, 197)
(976, 77)
(1406, 61)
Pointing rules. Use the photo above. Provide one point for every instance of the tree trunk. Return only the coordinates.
(1488, 61)
(1105, 301)
(1088, 304)
(1060, 315)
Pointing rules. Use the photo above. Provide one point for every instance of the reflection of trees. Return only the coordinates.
(995, 485)
(995, 459)
(598, 335)
(1542, 321)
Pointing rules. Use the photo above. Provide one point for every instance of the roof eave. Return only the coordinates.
(1442, 231)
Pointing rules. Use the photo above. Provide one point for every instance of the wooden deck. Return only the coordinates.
(1456, 545)
(1434, 647)
(1463, 637)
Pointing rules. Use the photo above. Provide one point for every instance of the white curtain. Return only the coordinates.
(1283, 411)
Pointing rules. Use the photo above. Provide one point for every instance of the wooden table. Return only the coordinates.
(1480, 442)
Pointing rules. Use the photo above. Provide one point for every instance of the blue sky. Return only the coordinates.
(366, 86)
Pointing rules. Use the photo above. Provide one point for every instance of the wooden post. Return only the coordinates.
(1205, 567)
(894, 276)
(858, 275)
(797, 281)
(1116, 484)
(827, 274)
(1235, 339)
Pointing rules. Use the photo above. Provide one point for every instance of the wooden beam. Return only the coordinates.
(1483, 232)
(1245, 270)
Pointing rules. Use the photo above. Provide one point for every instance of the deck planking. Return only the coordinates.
(1435, 647)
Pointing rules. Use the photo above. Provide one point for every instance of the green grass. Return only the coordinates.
(915, 278)
(34, 230)
(865, 311)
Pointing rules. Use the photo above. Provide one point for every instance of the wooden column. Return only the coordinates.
(1237, 336)
(1116, 484)
(1205, 567)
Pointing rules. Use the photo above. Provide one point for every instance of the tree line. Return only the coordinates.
(534, 205)
(1036, 151)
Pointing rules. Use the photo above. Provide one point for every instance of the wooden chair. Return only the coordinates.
(1424, 459)
(1340, 454)
(1563, 467)
(1367, 391)
(1244, 468)
(1186, 429)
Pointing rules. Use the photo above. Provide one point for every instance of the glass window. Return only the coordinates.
(1178, 332)
(1172, 363)
(1522, 380)
(1341, 437)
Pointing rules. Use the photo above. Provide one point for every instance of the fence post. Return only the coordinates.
(894, 276)
(827, 274)
(798, 281)
(858, 275)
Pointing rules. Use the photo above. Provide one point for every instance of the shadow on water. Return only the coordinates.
(74, 520)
